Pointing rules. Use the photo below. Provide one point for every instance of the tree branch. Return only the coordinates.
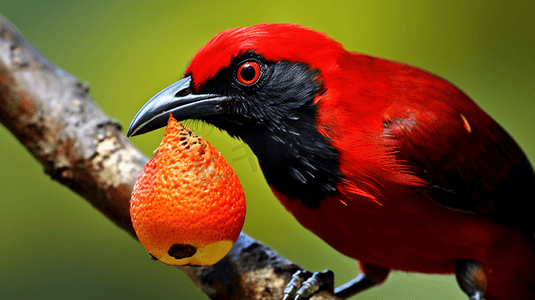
(51, 113)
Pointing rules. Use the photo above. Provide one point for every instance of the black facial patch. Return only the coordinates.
(277, 118)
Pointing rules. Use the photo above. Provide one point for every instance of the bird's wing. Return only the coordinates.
(470, 162)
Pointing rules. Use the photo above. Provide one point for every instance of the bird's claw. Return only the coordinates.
(295, 283)
(305, 284)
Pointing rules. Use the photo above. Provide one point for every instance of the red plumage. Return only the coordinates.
(399, 132)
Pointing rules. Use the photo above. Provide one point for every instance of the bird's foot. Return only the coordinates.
(305, 284)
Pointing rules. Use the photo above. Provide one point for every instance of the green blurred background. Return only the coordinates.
(53, 245)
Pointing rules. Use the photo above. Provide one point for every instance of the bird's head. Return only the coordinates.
(260, 76)
(262, 84)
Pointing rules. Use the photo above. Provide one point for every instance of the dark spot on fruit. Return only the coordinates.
(180, 251)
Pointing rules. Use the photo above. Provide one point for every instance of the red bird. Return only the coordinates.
(387, 163)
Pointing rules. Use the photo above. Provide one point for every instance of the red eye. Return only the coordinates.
(248, 73)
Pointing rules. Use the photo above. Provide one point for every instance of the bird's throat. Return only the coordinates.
(299, 163)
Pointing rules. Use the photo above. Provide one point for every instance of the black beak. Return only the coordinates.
(178, 100)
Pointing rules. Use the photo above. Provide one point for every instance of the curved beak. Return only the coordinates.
(178, 100)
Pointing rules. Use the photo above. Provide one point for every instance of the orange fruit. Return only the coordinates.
(188, 206)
